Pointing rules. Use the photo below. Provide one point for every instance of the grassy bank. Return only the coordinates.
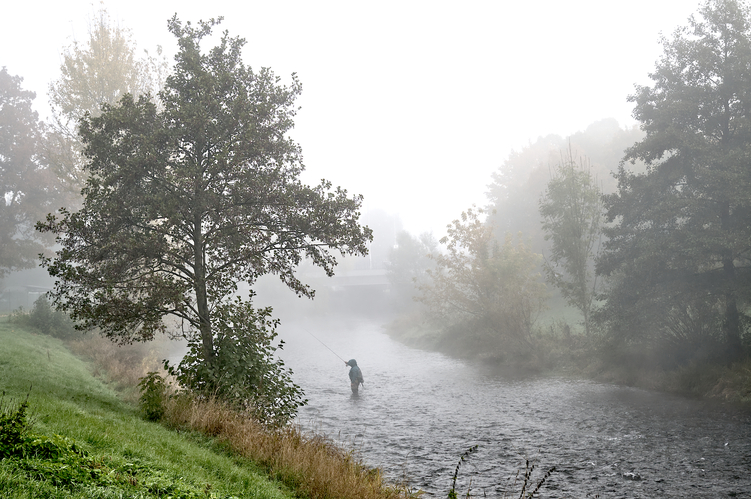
(134, 458)
(309, 464)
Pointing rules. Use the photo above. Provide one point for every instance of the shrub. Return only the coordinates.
(13, 426)
(244, 371)
(153, 394)
(47, 320)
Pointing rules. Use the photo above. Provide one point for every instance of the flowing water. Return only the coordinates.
(420, 411)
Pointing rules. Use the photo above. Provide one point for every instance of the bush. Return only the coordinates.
(153, 394)
(47, 320)
(13, 426)
(245, 371)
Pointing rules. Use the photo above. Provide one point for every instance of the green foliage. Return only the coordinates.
(571, 212)
(50, 448)
(245, 371)
(47, 320)
(677, 258)
(61, 463)
(186, 199)
(27, 185)
(13, 426)
(100, 70)
(519, 182)
(153, 395)
(55, 459)
(489, 293)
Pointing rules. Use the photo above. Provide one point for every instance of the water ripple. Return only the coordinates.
(420, 411)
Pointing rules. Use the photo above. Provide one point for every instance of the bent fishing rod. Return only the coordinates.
(324, 344)
(330, 350)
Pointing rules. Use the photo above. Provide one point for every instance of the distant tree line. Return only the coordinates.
(645, 231)
(678, 249)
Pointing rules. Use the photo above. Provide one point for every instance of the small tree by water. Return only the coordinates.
(571, 212)
(486, 291)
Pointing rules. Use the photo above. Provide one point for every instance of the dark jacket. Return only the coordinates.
(355, 374)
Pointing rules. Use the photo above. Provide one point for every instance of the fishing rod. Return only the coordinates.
(324, 344)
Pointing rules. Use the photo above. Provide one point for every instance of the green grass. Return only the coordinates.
(65, 399)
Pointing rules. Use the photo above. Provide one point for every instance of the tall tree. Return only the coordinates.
(186, 199)
(488, 291)
(681, 233)
(26, 183)
(518, 184)
(99, 71)
(571, 212)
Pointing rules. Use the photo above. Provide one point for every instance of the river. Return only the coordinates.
(420, 411)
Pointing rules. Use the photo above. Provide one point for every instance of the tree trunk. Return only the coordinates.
(732, 325)
(202, 302)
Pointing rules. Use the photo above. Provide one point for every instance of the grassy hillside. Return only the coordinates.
(125, 456)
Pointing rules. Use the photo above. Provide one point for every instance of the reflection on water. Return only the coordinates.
(418, 412)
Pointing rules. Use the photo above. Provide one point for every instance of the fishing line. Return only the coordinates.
(324, 344)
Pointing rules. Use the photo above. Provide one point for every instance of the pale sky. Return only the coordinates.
(411, 103)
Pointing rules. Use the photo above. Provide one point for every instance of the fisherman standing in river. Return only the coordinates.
(355, 376)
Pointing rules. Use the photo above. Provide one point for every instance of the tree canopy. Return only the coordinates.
(100, 70)
(678, 249)
(185, 199)
(28, 186)
(521, 180)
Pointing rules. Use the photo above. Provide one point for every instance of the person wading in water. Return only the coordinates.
(355, 376)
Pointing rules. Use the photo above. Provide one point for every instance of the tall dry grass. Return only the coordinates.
(310, 464)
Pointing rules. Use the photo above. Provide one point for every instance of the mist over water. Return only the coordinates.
(419, 411)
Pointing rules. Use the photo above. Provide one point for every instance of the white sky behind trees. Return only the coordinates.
(411, 103)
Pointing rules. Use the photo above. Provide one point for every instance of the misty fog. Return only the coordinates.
(622, 364)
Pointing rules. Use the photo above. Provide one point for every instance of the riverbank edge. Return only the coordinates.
(225, 431)
(577, 358)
